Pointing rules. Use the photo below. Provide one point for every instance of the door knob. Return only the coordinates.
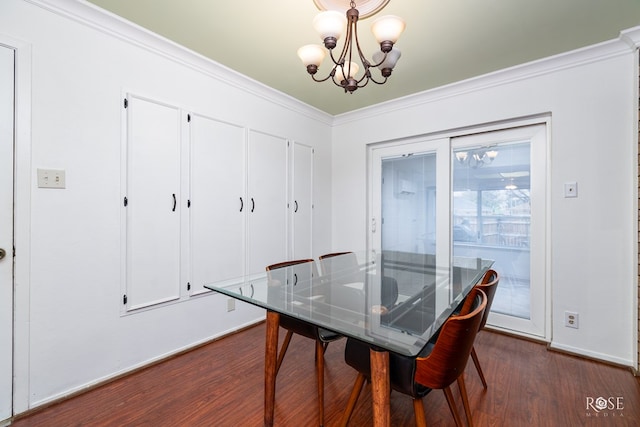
(3, 253)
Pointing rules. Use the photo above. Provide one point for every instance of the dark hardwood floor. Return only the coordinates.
(221, 384)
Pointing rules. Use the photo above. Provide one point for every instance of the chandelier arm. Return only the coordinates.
(365, 83)
(321, 80)
(345, 47)
(363, 59)
(333, 59)
(381, 61)
(377, 82)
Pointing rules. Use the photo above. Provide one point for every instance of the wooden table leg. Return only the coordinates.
(380, 387)
(270, 359)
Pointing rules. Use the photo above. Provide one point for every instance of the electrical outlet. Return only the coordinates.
(571, 319)
(231, 304)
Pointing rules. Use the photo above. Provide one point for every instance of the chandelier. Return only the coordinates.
(476, 158)
(331, 25)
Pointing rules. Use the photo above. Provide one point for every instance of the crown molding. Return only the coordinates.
(631, 36)
(108, 23)
(628, 41)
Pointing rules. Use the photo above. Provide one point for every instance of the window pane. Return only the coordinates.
(491, 217)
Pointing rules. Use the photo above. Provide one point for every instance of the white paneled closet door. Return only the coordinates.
(152, 203)
(302, 200)
(267, 201)
(218, 202)
(6, 231)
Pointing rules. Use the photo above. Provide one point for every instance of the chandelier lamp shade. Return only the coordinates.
(331, 25)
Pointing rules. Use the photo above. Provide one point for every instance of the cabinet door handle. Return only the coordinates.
(174, 202)
(295, 279)
(241, 204)
(253, 204)
(295, 203)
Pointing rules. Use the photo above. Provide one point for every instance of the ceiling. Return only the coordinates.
(445, 40)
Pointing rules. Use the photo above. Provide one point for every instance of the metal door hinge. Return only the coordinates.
(124, 299)
(126, 103)
(126, 201)
(188, 286)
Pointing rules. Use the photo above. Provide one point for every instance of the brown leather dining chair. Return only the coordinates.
(437, 366)
(307, 270)
(489, 285)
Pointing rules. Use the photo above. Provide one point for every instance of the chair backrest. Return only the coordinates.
(287, 264)
(306, 270)
(489, 285)
(451, 351)
(342, 267)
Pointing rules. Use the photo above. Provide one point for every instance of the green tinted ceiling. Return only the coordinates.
(445, 40)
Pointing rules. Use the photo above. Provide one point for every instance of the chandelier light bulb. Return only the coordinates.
(389, 62)
(330, 25)
(350, 68)
(461, 156)
(388, 28)
(311, 54)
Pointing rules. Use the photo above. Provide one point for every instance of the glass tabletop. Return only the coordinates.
(392, 300)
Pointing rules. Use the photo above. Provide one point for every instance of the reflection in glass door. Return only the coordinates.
(410, 217)
(408, 187)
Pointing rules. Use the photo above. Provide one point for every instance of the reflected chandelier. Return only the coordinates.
(477, 158)
(330, 25)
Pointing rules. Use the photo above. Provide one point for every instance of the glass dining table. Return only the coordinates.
(391, 301)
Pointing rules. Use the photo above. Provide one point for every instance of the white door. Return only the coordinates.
(153, 203)
(218, 203)
(6, 230)
(267, 201)
(302, 209)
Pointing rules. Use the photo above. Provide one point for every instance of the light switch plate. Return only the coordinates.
(51, 178)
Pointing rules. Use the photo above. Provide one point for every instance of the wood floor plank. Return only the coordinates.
(221, 384)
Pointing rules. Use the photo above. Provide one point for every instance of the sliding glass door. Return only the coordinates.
(480, 195)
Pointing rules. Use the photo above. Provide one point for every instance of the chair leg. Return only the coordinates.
(452, 405)
(476, 362)
(353, 399)
(418, 409)
(283, 350)
(465, 399)
(320, 374)
(324, 347)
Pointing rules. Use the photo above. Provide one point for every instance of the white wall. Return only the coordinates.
(591, 96)
(69, 330)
